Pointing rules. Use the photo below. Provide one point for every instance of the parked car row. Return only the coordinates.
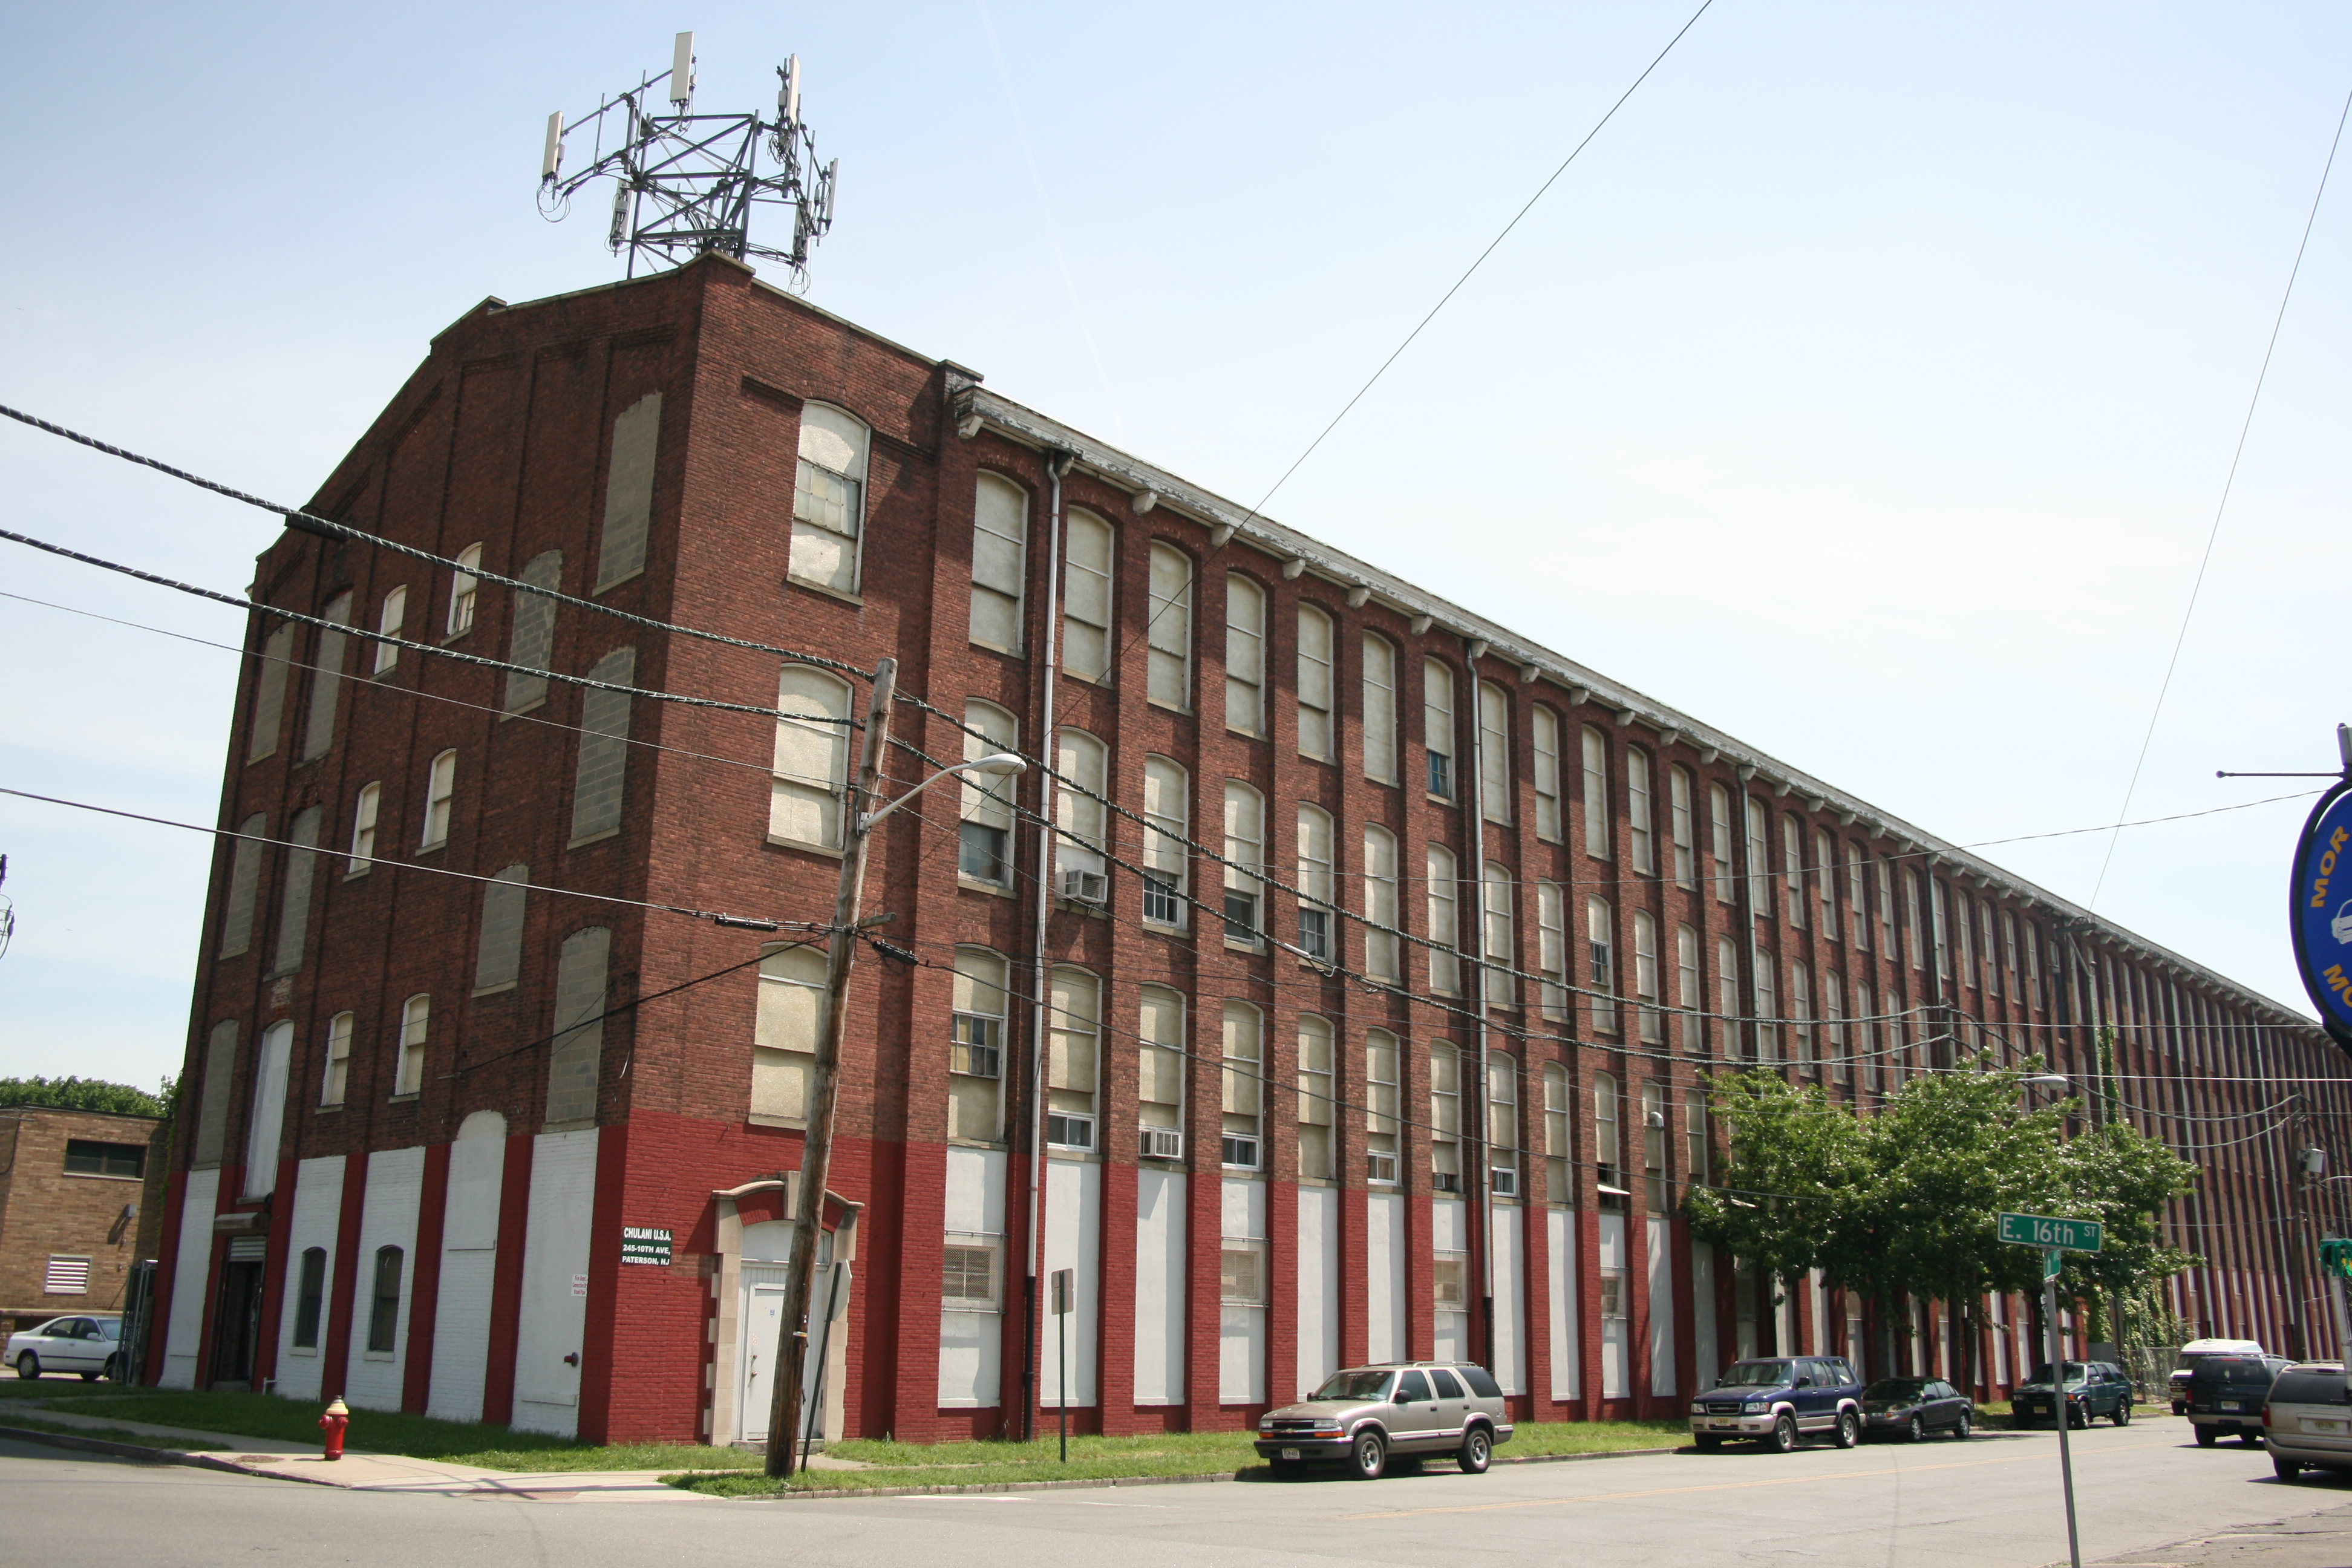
(89, 1345)
(2093, 1388)
(1779, 1401)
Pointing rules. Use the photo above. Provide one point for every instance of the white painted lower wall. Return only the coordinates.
(470, 1261)
(1510, 1263)
(972, 1343)
(1661, 1277)
(1241, 1329)
(395, 1180)
(1561, 1263)
(554, 1316)
(1159, 1287)
(191, 1272)
(1385, 1319)
(1072, 1241)
(316, 1214)
(1706, 1352)
(1318, 1285)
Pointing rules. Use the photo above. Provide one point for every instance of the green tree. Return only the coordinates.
(1793, 1160)
(86, 1094)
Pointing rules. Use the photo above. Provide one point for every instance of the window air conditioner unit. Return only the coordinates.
(1444, 1181)
(1086, 886)
(1162, 1143)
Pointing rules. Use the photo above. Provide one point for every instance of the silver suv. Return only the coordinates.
(1366, 1414)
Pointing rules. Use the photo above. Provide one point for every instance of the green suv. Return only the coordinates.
(2093, 1388)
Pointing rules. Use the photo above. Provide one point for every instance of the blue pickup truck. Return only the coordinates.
(1778, 1402)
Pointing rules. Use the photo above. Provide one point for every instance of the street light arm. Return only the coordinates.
(998, 764)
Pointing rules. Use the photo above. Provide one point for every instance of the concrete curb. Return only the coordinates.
(1092, 1483)
(202, 1461)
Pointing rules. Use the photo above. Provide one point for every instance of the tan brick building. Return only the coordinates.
(73, 1202)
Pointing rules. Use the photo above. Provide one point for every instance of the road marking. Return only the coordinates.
(962, 1496)
(1723, 1486)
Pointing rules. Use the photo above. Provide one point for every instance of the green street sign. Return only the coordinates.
(2053, 1263)
(2042, 1230)
(2335, 1256)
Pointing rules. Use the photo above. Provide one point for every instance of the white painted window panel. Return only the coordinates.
(1385, 1316)
(317, 1215)
(1318, 1285)
(1560, 1255)
(1662, 1309)
(554, 1251)
(191, 1270)
(1510, 1358)
(1072, 1241)
(469, 1239)
(395, 1181)
(1159, 1287)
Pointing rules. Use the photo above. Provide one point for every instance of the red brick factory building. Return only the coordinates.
(1307, 806)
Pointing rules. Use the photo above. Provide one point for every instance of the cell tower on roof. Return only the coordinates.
(686, 183)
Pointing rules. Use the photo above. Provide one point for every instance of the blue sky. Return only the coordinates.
(1866, 389)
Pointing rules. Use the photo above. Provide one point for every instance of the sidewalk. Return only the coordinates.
(357, 1471)
(2312, 1540)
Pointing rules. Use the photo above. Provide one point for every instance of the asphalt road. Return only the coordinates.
(1990, 1502)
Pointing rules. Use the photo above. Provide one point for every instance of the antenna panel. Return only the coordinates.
(551, 160)
(788, 103)
(681, 70)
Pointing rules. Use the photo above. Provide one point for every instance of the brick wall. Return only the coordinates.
(45, 1211)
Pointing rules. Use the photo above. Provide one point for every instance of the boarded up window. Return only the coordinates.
(1087, 546)
(244, 884)
(534, 632)
(828, 499)
(270, 693)
(327, 684)
(603, 746)
(212, 1110)
(1000, 526)
(578, 1044)
(294, 908)
(811, 762)
(1169, 626)
(629, 492)
(785, 1033)
(497, 960)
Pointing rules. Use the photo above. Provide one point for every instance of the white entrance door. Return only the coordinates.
(763, 1312)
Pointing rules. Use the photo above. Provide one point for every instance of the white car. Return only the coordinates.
(91, 1346)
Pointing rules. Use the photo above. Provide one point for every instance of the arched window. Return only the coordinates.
(1608, 1158)
(1866, 1034)
(1759, 860)
(1726, 996)
(829, 499)
(1087, 545)
(1503, 1123)
(390, 615)
(1080, 814)
(1315, 735)
(364, 817)
(1440, 896)
(784, 1032)
(1000, 546)
(1383, 958)
(1600, 962)
(1767, 1010)
(1315, 935)
(1718, 805)
(309, 1298)
(1833, 1026)
(1547, 731)
(1645, 977)
(440, 797)
(1437, 725)
(1686, 838)
(1245, 857)
(268, 719)
(1444, 1118)
(976, 1046)
(265, 1134)
(1598, 830)
(1688, 997)
(327, 681)
(1825, 881)
(1244, 654)
(1159, 1072)
(1494, 752)
(1559, 1186)
(339, 1061)
(383, 1307)
(498, 954)
(629, 492)
(530, 642)
(985, 833)
(1502, 942)
(1166, 812)
(1168, 628)
(1551, 947)
(1801, 1016)
(1653, 1148)
(1380, 709)
(1073, 1045)
(1792, 866)
(1639, 827)
(1244, 1099)
(1315, 1098)
(1381, 1104)
(416, 1020)
(464, 588)
(812, 763)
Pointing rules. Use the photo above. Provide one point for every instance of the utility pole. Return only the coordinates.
(825, 1082)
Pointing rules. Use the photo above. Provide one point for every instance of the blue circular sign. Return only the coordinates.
(2322, 910)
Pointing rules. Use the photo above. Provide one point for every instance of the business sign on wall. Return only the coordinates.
(644, 1244)
(2322, 914)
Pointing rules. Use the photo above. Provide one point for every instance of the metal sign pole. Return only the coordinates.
(2051, 1262)
(1064, 1283)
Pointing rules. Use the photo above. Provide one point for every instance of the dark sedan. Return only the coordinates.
(1913, 1407)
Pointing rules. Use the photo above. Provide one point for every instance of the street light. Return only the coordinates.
(786, 1421)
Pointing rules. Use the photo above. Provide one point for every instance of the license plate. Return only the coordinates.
(2232, 1404)
(2312, 1425)
(1734, 1425)
(1290, 1453)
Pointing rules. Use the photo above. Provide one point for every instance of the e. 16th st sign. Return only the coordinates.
(2042, 1230)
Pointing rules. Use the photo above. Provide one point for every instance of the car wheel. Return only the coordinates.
(1368, 1457)
(1783, 1439)
(2123, 1414)
(2207, 1437)
(29, 1366)
(1963, 1427)
(113, 1373)
(1849, 1429)
(1477, 1451)
(1916, 1432)
(2284, 1469)
(88, 1377)
(1707, 1445)
(2078, 1417)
